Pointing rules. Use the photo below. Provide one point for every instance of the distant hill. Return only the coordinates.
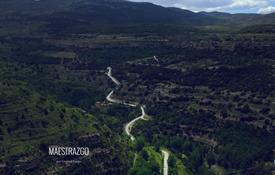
(111, 11)
(242, 19)
(120, 16)
(130, 12)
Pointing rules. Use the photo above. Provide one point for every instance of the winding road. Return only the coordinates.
(129, 126)
(109, 74)
(112, 100)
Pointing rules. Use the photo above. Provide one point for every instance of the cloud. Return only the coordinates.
(248, 3)
(267, 10)
(240, 4)
(189, 3)
(213, 5)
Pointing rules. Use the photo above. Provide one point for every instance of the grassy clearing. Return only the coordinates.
(147, 161)
(181, 169)
(218, 170)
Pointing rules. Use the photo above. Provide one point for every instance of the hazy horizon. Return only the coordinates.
(228, 6)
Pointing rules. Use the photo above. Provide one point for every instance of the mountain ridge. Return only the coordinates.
(125, 12)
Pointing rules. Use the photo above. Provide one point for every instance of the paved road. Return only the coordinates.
(129, 126)
(112, 100)
(109, 74)
(165, 162)
(156, 59)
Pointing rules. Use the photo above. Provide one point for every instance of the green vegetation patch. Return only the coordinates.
(147, 161)
(242, 145)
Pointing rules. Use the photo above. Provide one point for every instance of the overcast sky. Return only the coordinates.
(232, 6)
